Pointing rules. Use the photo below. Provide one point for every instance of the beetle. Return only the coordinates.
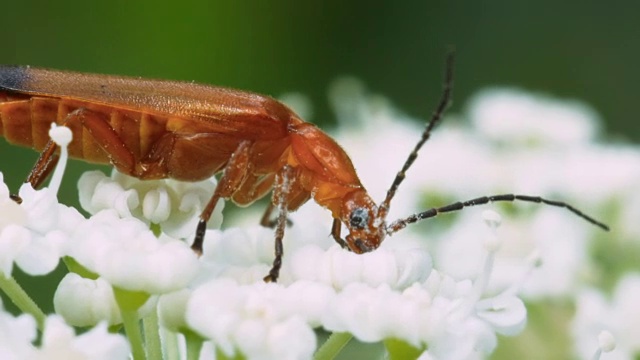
(154, 129)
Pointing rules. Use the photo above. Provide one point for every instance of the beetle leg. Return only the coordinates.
(266, 219)
(254, 187)
(284, 180)
(336, 228)
(41, 170)
(234, 174)
(97, 125)
(106, 137)
(43, 167)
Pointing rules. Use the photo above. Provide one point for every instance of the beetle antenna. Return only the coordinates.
(433, 212)
(444, 103)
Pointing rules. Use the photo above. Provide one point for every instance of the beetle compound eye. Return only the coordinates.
(359, 218)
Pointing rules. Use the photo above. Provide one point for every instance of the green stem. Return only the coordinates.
(194, 345)
(400, 350)
(129, 302)
(334, 344)
(152, 341)
(22, 300)
(132, 329)
(170, 342)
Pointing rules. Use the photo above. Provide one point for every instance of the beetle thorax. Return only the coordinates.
(360, 215)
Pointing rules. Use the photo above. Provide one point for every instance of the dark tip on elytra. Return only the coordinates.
(13, 77)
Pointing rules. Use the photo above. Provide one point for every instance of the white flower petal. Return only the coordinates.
(344, 267)
(99, 343)
(16, 336)
(41, 207)
(337, 267)
(168, 268)
(619, 315)
(4, 189)
(306, 262)
(507, 314)
(307, 299)
(156, 205)
(248, 318)
(12, 213)
(43, 254)
(127, 254)
(13, 241)
(280, 346)
(174, 205)
(414, 266)
(172, 308)
(509, 114)
(59, 342)
(84, 302)
(34, 232)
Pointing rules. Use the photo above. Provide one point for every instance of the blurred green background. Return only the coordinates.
(577, 49)
(587, 50)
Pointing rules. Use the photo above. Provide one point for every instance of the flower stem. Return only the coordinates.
(152, 341)
(194, 345)
(132, 329)
(22, 300)
(129, 302)
(400, 350)
(170, 344)
(334, 344)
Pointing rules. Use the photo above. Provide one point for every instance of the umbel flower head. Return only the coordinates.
(18, 340)
(388, 294)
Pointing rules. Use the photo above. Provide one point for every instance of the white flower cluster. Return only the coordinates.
(619, 315)
(133, 247)
(390, 293)
(18, 337)
(173, 205)
(32, 235)
(387, 294)
(510, 141)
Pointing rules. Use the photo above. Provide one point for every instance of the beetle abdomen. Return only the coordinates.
(26, 121)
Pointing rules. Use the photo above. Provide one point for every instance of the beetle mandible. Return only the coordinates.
(154, 129)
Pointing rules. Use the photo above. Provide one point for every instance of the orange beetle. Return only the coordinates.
(154, 129)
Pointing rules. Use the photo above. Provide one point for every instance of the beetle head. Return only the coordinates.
(360, 215)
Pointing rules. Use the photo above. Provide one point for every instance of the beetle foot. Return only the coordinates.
(270, 278)
(272, 223)
(16, 198)
(197, 242)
